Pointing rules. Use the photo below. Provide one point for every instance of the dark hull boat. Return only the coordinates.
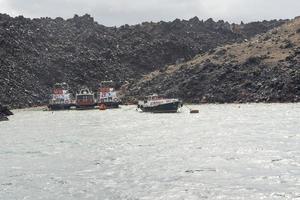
(108, 96)
(61, 98)
(85, 99)
(89, 107)
(156, 104)
(163, 108)
(59, 106)
(111, 104)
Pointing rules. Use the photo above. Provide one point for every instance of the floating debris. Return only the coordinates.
(194, 111)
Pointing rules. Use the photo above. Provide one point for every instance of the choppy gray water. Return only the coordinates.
(225, 152)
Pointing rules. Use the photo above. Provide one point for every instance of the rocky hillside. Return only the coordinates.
(35, 54)
(263, 69)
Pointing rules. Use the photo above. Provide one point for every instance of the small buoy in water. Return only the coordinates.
(194, 111)
(102, 106)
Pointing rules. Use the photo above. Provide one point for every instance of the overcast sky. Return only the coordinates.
(118, 12)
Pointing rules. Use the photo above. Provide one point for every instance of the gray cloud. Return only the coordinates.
(118, 12)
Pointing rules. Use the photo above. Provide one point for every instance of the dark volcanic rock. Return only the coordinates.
(3, 117)
(254, 71)
(37, 53)
(4, 112)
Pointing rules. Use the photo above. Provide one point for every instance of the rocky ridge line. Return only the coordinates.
(263, 69)
(36, 53)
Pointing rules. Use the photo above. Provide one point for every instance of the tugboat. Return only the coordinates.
(61, 98)
(85, 99)
(107, 96)
(157, 104)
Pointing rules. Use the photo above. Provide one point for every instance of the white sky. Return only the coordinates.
(118, 12)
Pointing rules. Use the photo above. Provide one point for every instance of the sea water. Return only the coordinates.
(224, 152)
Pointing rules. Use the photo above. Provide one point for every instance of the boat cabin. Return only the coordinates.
(107, 92)
(60, 94)
(85, 98)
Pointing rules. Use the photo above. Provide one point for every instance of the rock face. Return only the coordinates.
(35, 54)
(263, 69)
(4, 113)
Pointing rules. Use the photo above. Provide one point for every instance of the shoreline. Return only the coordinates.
(44, 108)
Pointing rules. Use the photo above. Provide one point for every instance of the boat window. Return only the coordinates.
(90, 97)
(85, 97)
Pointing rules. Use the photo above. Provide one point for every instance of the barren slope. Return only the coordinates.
(36, 53)
(263, 69)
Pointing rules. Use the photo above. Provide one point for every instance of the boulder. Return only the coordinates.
(3, 117)
(4, 113)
